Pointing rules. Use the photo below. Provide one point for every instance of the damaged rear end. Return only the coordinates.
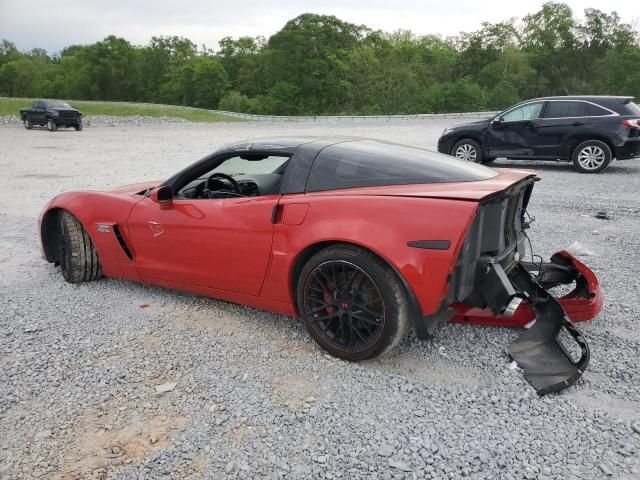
(492, 284)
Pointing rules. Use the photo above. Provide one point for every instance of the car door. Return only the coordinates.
(562, 121)
(38, 112)
(514, 134)
(218, 243)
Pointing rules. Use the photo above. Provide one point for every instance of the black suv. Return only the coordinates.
(589, 131)
(52, 114)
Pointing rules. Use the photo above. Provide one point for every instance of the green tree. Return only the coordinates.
(210, 82)
(548, 36)
(464, 95)
(311, 53)
(502, 95)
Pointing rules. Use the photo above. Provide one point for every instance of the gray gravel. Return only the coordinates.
(118, 380)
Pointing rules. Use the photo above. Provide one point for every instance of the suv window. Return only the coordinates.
(596, 111)
(630, 108)
(368, 163)
(525, 112)
(565, 109)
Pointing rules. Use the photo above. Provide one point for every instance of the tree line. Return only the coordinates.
(318, 64)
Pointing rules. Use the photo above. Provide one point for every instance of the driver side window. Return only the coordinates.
(248, 175)
(530, 111)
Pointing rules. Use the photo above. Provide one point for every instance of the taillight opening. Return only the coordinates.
(632, 122)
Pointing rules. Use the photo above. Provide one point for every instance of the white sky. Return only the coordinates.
(54, 24)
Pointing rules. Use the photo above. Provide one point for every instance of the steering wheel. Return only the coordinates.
(236, 186)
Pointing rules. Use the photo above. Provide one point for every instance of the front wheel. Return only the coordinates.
(592, 156)
(468, 150)
(352, 303)
(77, 254)
(78, 126)
(27, 124)
(51, 125)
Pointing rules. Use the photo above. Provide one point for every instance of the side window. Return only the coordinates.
(596, 111)
(38, 105)
(565, 109)
(249, 175)
(368, 163)
(530, 111)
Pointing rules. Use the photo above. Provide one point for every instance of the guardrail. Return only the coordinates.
(352, 118)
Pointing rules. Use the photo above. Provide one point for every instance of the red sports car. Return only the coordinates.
(363, 239)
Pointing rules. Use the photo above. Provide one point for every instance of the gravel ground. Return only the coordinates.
(113, 379)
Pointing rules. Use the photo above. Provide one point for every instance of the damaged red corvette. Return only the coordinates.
(363, 239)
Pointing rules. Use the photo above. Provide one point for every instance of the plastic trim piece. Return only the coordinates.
(430, 244)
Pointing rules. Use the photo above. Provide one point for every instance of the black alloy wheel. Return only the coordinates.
(344, 305)
(352, 303)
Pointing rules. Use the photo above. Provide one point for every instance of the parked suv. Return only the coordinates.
(52, 114)
(589, 131)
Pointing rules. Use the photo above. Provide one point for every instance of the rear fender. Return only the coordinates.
(384, 225)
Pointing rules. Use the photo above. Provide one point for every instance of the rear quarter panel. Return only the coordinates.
(100, 208)
(382, 224)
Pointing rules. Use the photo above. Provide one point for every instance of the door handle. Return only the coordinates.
(577, 124)
(276, 213)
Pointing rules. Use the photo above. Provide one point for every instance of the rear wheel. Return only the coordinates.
(468, 150)
(51, 125)
(352, 303)
(77, 255)
(592, 156)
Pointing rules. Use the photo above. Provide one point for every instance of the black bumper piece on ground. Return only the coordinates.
(547, 363)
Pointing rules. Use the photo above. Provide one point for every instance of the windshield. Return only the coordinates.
(57, 103)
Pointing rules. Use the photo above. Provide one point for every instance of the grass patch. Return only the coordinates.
(11, 106)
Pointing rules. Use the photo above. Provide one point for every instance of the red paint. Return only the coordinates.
(294, 213)
(230, 249)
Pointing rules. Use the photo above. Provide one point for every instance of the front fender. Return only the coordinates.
(98, 212)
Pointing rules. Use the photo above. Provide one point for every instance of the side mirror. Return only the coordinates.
(163, 195)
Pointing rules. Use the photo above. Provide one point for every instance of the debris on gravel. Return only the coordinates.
(247, 394)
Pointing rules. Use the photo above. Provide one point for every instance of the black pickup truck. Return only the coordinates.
(52, 114)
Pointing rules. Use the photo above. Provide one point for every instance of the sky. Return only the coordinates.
(53, 25)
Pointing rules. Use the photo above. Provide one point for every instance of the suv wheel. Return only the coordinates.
(467, 149)
(592, 156)
(51, 125)
(27, 124)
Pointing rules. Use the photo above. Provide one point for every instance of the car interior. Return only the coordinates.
(249, 175)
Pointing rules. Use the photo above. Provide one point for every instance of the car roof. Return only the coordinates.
(603, 99)
(615, 103)
(283, 145)
(330, 150)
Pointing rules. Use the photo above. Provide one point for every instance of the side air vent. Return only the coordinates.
(123, 244)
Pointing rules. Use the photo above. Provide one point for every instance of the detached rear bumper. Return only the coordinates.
(584, 302)
(552, 353)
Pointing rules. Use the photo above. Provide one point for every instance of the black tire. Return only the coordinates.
(469, 150)
(591, 156)
(367, 309)
(27, 124)
(78, 126)
(77, 255)
(51, 125)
